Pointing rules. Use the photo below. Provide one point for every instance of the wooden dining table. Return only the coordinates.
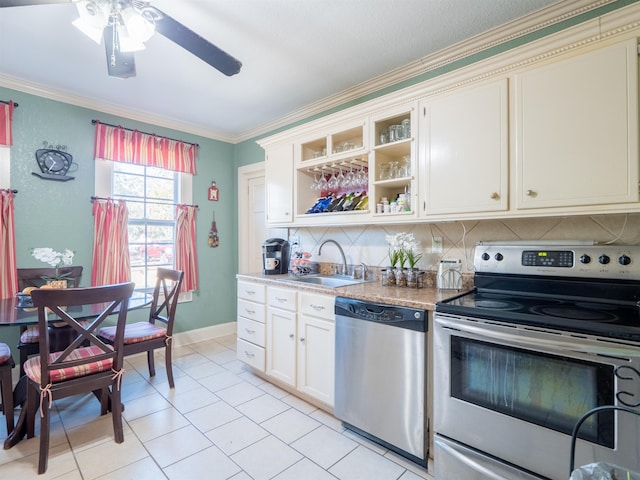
(12, 314)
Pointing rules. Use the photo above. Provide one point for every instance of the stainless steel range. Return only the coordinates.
(547, 333)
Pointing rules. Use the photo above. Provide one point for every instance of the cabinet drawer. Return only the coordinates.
(251, 331)
(251, 291)
(282, 298)
(317, 305)
(251, 354)
(252, 310)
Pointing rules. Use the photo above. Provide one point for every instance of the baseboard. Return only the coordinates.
(202, 334)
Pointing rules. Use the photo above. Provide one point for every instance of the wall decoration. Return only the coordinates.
(213, 239)
(54, 163)
(213, 192)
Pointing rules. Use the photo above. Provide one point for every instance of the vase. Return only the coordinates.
(387, 277)
(412, 278)
(401, 277)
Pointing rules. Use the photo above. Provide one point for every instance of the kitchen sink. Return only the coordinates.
(327, 280)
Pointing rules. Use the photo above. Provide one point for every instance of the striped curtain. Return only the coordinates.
(186, 258)
(131, 146)
(6, 115)
(8, 265)
(110, 262)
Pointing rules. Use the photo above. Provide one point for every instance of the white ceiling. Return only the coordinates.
(294, 53)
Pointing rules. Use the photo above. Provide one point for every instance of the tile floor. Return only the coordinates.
(220, 422)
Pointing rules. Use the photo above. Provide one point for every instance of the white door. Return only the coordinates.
(252, 224)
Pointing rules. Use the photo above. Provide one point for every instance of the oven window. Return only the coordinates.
(547, 390)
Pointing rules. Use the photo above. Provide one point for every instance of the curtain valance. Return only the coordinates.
(120, 144)
(6, 116)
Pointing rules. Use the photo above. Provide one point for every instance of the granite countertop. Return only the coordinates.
(423, 298)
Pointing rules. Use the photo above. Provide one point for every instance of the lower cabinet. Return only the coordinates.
(300, 343)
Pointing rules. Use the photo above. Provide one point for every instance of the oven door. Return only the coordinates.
(515, 392)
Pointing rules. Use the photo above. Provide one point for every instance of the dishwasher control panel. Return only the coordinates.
(393, 315)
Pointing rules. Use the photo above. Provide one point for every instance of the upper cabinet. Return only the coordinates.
(576, 124)
(464, 146)
(279, 183)
(393, 169)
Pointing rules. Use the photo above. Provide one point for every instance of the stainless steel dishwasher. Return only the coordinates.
(380, 374)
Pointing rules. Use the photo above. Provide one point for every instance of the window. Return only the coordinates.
(151, 194)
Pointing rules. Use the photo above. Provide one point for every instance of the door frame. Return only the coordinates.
(245, 173)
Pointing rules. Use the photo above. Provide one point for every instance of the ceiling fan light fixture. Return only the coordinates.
(139, 27)
(93, 33)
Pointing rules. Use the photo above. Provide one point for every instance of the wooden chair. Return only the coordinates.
(77, 369)
(6, 386)
(158, 330)
(33, 277)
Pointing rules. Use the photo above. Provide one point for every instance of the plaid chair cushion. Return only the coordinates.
(5, 353)
(32, 366)
(135, 332)
(30, 335)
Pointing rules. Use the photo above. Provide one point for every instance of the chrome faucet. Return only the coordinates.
(345, 269)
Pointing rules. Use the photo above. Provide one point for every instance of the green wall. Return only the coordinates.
(58, 214)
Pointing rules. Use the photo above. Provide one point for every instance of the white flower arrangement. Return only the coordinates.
(53, 258)
(403, 247)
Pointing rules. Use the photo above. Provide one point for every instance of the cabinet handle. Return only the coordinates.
(302, 339)
(250, 332)
(291, 335)
(250, 292)
(530, 193)
(280, 299)
(494, 196)
(250, 312)
(317, 307)
(249, 354)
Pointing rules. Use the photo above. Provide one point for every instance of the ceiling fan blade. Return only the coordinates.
(194, 43)
(26, 3)
(119, 64)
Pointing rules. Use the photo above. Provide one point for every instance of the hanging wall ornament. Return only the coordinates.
(213, 240)
(213, 192)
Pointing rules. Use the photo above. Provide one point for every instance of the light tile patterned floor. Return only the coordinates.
(220, 422)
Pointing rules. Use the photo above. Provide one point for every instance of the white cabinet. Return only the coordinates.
(316, 346)
(279, 183)
(577, 130)
(281, 335)
(251, 330)
(465, 151)
(300, 341)
(393, 169)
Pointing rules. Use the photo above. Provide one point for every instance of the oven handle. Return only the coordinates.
(555, 341)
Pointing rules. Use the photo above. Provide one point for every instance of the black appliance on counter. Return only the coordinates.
(275, 256)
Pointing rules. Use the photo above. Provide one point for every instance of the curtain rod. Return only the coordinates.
(9, 101)
(9, 190)
(94, 121)
(141, 201)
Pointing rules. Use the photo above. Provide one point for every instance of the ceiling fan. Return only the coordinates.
(124, 26)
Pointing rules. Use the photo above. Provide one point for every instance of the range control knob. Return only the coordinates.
(486, 256)
(499, 257)
(624, 260)
(584, 258)
(604, 259)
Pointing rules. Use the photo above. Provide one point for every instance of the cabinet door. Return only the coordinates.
(577, 130)
(279, 183)
(281, 345)
(316, 352)
(465, 151)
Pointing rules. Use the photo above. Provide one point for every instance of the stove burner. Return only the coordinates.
(574, 313)
(497, 304)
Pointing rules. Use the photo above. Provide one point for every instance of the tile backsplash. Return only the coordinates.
(367, 244)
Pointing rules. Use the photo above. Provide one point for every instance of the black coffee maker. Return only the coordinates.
(275, 256)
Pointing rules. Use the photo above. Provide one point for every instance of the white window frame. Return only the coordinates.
(104, 188)
(5, 167)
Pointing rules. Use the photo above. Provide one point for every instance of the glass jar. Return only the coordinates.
(412, 278)
(401, 277)
(388, 277)
(404, 169)
(384, 171)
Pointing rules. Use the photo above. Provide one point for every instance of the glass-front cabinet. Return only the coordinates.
(393, 166)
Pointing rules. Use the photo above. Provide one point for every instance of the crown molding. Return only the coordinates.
(528, 24)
